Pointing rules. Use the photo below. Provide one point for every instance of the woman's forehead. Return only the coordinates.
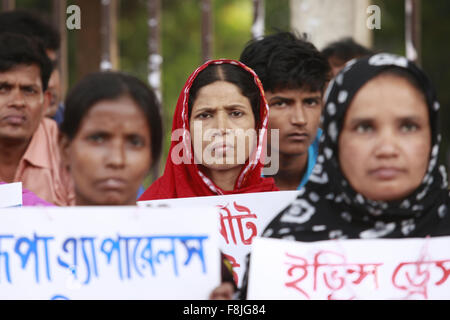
(390, 95)
(218, 92)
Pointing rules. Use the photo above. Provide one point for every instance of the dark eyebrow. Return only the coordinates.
(234, 106)
(34, 86)
(317, 97)
(283, 99)
(410, 118)
(369, 119)
(99, 132)
(356, 121)
(23, 86)
(204, 109)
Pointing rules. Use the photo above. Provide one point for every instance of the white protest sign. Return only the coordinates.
(242, 217)
(350, 269)
(108, 253)
(11, 195)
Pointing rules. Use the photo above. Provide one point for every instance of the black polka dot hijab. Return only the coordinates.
(328, 207)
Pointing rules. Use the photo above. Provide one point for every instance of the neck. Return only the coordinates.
(292, 169)
(11, 153)
(224, 179)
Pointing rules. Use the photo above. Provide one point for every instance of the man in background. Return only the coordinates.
(28, 140)
(338, 53)
(294, 75)
(30, 25)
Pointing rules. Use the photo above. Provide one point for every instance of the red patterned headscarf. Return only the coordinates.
(186, 179)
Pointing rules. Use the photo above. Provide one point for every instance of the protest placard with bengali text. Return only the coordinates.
(108, 253)
(385, 269)
(242, 217)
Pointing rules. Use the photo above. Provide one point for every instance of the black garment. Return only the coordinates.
(329, 208)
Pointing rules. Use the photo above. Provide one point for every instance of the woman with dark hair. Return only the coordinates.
(377, 175)
(110, 137)
(221, 102)
(219, 129)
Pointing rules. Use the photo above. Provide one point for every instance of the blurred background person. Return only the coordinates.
(31, 25)
(110, 137)
(338, 53)
(378, 174)
(294, 75)
(28, 140)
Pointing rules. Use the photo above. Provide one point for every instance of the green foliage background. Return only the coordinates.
(181, 43)
(435, 50)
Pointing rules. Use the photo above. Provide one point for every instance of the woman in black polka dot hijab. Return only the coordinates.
(377, 175)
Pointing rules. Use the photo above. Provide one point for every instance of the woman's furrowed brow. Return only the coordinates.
(204, 109)
(233, 106)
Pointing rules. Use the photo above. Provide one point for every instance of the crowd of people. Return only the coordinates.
(355, 131)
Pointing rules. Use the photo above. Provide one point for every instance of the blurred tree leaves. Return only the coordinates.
(435, 62)
(181, 41)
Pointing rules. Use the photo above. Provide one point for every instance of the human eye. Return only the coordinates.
(409, 126)
(97, 137)
(203, 115)
(5, 88)
(364, 127)
(278, 104)
(312, 102)
(236, 113)
(136, 140)
(29, 90)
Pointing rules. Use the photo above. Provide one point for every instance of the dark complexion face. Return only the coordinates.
(385, 142)
(220, 110)
(111, 153)
(296, 113)
(22, 102)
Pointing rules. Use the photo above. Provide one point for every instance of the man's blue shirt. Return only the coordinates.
(313, 151)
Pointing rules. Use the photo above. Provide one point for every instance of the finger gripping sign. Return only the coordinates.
(108, 253)
(350, 269)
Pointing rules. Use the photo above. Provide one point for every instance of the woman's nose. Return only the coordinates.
(222, 123)
(116, 157)
(387, 144)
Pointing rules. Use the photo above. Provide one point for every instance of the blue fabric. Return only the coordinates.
(313, 151)
(59, 115)
(140, 191)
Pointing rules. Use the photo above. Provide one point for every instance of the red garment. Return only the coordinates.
(185, 179)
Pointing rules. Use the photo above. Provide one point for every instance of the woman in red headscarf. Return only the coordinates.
(218, 135)
(221, 103)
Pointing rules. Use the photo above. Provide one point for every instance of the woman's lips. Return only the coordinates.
(112, 184)
(386, 173)
(220, 150)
